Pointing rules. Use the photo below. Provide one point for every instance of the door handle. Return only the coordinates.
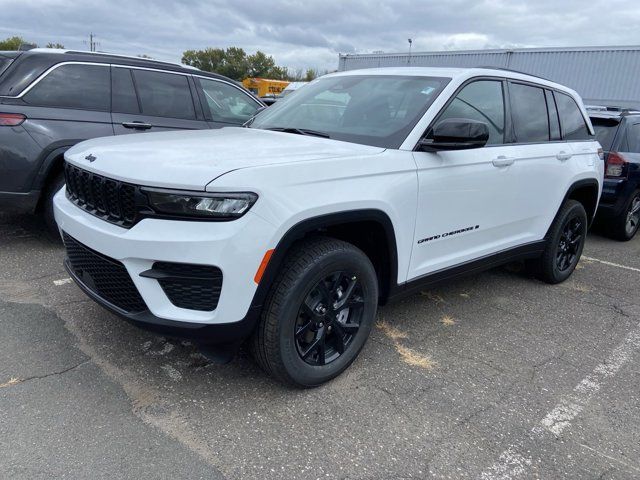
(137, 125)
(502, 161)
(564, 156)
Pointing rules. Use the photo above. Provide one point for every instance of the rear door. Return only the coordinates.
(225, 104)
(541, 157)
(153, 101)
(68, 105)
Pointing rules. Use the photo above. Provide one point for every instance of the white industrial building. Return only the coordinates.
(601, 75)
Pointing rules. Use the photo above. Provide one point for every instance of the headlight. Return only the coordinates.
(222, 206)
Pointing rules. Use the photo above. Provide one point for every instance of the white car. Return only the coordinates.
(364, 186)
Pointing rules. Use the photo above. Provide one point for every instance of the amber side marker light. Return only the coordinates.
(263, 266)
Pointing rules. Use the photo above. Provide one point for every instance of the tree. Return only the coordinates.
(310, 75)
(260, 65)
(54, 45)
(235, 63)
(12, 43)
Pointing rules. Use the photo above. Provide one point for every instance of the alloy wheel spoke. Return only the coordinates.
(338, 337)
(317, 344)
(347, 295)
(308, 310)
(303, 329)
(325, 293)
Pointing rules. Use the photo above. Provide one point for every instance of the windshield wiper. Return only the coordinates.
(248, 123)
(299, 131)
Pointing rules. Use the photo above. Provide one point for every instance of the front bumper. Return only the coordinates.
(235, 247)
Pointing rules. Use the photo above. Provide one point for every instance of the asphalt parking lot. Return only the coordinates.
(495, 376)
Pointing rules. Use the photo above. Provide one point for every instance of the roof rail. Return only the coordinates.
(613, 109)
(107, 54)
(505, 69)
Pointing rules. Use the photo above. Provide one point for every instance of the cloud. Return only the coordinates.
(311, 33)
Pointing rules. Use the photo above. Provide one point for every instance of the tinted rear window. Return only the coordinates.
(529, 113)
(84, 87)
(605, 132)
(164, 94)
(571, 119)
(124, 98)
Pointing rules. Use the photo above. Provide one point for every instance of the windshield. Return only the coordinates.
(605, 132)
(372, 110)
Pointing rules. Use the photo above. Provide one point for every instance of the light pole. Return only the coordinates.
(410, 42)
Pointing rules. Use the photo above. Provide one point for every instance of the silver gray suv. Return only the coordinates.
(52, 99)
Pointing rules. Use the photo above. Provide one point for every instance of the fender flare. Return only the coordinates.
(48, 160)
(586, 182)
(299, 230)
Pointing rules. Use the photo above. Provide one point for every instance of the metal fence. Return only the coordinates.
(601, 75)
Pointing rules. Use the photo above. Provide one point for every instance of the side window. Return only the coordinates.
(529, 113)
(124, 98)
(633, 138)
(482, 101)
(85, 87)
(226, 103)
(554, 121)
(571, 119)
(164, 94)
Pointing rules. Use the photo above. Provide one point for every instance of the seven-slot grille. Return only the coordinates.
(111, 200)
(104, 276)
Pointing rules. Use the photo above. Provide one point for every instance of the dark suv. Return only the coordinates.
(618, 131)
(53, 99)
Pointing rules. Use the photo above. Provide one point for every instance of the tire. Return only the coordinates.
(625, 226)
(565, 243)
(299, 313)
(47, 206)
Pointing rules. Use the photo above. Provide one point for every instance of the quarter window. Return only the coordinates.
(482, 101)
(84, 87)
(226, 103)
(529, 113)
(571, 119)
(164, 94)
(633, 138)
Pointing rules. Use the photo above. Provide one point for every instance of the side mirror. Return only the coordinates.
(455, 134)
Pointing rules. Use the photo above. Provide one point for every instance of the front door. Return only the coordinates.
(466, 207)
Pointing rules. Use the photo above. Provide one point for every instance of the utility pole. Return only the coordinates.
(92, 43)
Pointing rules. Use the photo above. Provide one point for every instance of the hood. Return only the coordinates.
(192, 159)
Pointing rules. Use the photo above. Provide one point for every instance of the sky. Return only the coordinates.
(311, 33)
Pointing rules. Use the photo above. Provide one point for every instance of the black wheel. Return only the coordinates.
(319, 313)
(47, 206)
(625, 226)
(564, 244)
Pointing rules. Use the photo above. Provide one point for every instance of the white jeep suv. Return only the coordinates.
(360, 187)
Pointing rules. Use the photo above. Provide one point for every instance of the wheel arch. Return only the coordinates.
(587, 192)
(51, 165)
(371, 230)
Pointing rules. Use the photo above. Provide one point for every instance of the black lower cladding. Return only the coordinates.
(195, 287)
(104, 276)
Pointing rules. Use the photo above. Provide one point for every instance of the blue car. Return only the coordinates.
(618, 131)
